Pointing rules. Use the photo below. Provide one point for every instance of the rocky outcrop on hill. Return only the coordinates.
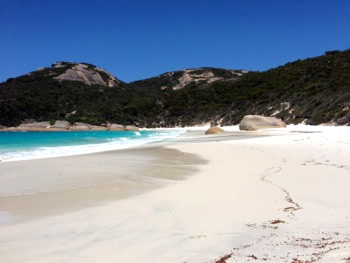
(203, 75)
(311, 91)
(88, 75)
(177, 80)
(256, 122)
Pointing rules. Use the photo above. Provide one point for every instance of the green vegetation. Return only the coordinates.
(316, 90)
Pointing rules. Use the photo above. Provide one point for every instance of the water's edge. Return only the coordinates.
(16, 146)
(46, 187)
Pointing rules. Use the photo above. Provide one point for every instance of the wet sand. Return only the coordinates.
(44, 187)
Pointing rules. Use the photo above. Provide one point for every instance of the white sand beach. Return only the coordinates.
(279, 198)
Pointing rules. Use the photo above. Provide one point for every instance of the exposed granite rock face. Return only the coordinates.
(30, 126)
(214, 130)
(179, 79)
(82, 72)
(256, 122)
(80, 126)
(60, 125)
(131, 128)
(116, 127)
(200, 74)
(34, 126)
(65, 126)
(98, 128)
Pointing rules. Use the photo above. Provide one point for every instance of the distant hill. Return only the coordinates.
(67, 91)
(312, 91)
(176, 80)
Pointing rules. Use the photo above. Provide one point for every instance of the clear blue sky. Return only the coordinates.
(139, 39)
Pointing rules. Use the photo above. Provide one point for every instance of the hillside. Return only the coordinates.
(313, 91)
(177, 80)
(70, 91)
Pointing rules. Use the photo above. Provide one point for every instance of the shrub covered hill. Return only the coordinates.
(313, 91)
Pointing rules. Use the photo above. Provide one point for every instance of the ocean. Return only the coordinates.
(33, 145)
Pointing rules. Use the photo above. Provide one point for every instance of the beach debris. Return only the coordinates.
(223, 259)
(291, 209)
(309, 248)
(256, 122)
(214, 130)
(252, 256)
(277, 221)
(251, 225)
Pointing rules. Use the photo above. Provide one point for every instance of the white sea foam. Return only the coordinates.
(112, 144)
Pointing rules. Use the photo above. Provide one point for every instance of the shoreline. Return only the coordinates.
(40, 197)
(87, 179)
(104, 141)
(276, 196)
(184, 135)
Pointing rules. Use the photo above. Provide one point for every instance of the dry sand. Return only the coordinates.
(279, 198)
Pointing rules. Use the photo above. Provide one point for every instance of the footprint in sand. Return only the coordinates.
(198, 237)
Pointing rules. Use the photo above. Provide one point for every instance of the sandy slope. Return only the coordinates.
(274, 199)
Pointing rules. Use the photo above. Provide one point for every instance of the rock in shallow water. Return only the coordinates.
(214, 130)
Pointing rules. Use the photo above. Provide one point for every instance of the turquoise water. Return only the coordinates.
(32, 145)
